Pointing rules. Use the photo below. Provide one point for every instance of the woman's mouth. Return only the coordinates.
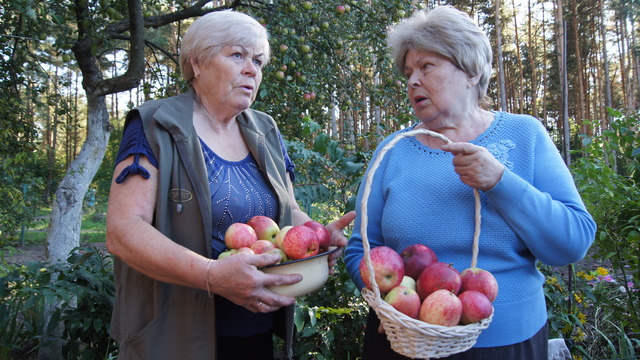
(419, 99)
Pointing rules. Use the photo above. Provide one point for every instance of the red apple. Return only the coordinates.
(404, 300)
(324, 238)
(262, 246)
(239, 235)
(387, 267)
(300, 242)
(416, 257)
(480, 280)
(436, 276)
(280, 236)
(266, 228)
(441, 307)
(475, 306)
(340, 9)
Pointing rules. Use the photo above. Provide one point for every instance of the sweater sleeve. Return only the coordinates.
(548, 215)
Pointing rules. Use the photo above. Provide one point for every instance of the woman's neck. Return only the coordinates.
(462, 128)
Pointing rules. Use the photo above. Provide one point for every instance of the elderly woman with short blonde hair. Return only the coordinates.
(188, 167)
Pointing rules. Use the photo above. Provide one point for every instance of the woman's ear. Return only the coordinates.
(195, 67)
(473, 81)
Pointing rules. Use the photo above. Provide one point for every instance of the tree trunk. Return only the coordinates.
(544, 72)
(532, 61)
(636, 65)
(520, 89)
(561, 44)
(66, 211)
(503, 96)
(581, 113)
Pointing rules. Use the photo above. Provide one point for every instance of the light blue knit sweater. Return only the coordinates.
(533, 213)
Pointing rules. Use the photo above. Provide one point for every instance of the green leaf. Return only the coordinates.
(321, 143)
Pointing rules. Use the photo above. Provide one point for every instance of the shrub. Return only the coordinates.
(84, 290)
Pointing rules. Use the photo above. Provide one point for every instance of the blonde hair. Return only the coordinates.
(450, 33)
(210, 33)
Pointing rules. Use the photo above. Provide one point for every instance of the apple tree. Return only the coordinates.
(332, 88)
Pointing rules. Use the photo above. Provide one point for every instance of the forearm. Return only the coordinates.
(149, 252)
(557, 231)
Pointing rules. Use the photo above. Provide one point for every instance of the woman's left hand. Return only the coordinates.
(338, 237)
(475, 165)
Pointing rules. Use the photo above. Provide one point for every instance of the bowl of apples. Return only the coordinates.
(303, 249)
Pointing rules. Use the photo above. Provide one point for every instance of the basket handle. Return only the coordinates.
(367, 190)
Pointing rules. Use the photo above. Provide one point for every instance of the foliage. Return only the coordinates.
(330, 322)
(85, 290)
(587, 313)
(332, 66)
(595, 309)
(325, 173)
(608, 178)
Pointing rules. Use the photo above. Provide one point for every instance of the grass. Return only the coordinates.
(92, 229)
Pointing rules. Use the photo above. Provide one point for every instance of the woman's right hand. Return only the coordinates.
(238, 279)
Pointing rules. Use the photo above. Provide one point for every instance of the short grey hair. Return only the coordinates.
(210, 33)
(448, 32)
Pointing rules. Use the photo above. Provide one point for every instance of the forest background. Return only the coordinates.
(71, 70)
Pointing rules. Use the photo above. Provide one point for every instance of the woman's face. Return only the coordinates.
(229, 81)
(436, 87)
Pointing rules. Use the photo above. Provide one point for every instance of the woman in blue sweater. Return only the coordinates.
(422, 192)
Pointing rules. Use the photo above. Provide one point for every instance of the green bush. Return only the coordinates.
(85, 290)
(330, 322)
(596, 309)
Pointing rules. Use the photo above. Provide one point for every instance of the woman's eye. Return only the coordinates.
(237, 55)
(258, 63)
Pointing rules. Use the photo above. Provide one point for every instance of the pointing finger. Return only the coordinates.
(460, 148)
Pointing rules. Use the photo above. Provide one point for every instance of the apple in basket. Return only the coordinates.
(404, 300)
(481, 280)
(266, 228)
(439, 275)
(441, 307)
(239, 235)
(300, 242)
(408, 281)
(475, 306)
(416, 257)
(388, 268)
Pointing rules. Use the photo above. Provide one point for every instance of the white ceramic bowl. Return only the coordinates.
(314, 271)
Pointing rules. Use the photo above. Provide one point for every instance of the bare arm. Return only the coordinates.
(132, 238)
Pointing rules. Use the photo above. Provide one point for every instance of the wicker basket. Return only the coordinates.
(411, 337)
